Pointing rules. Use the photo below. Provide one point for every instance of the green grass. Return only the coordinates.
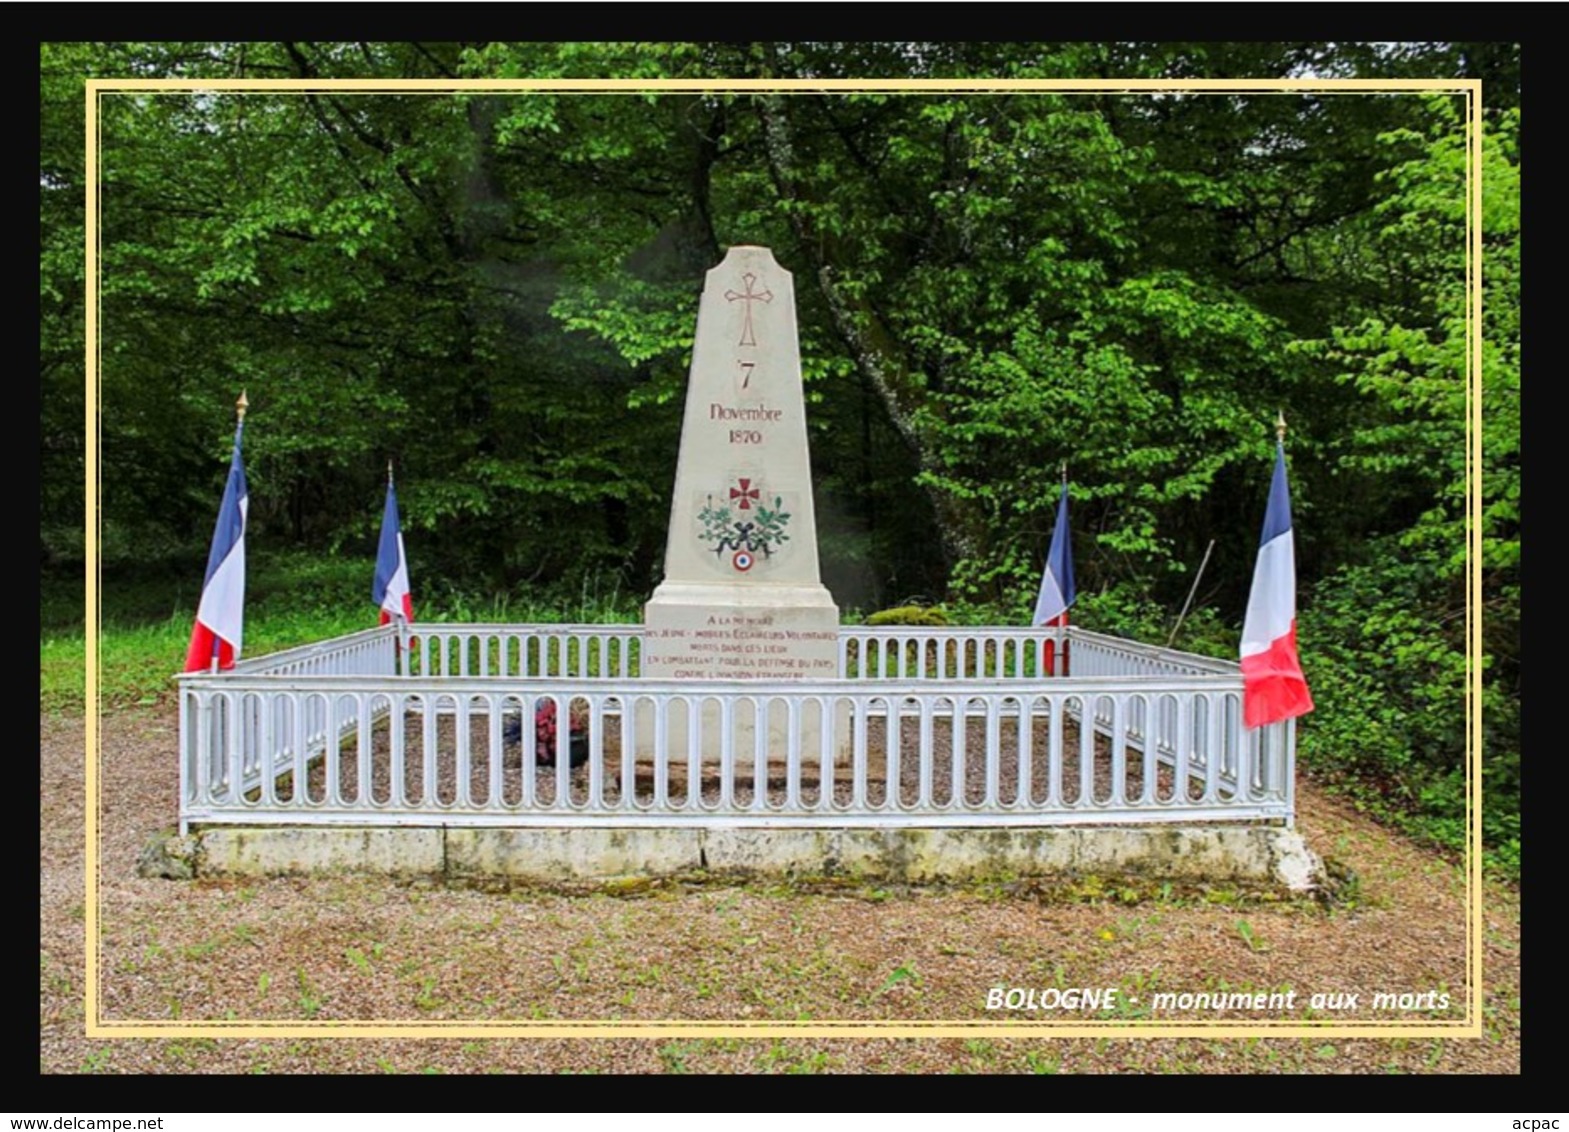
(291, 599)
(137, 663)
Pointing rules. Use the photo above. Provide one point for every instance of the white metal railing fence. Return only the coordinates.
(926, 727)
(522, 651)
(206, 719)
(371, 652)
(896, 652)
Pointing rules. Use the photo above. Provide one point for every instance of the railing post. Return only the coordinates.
(1218, 720)
(1133, 712)
(186, 756)
(1058, 706)
(430, 793)
(794, 756)
(596, 745)
(496, 757)
(1089, 727)
(207, 726)
(1286, 783)
(267, 794)
(958, 749)
(923, 798)
(564, 751)
(363, 771)
(659, 709)
(299, 787)
(860, 707)
(993, 747)
(893, 733)
(763, 718)
(827, 752)
(727, 753)
(397, 796)
(693, 705)
(1024, 738)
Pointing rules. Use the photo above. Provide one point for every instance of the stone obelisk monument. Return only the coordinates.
(742, 597)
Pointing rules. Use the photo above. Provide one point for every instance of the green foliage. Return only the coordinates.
(292, 599)
(1385, 645)
(908, 615)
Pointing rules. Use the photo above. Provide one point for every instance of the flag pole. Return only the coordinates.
(1064, 627)
(1193, 589)
(239, 426)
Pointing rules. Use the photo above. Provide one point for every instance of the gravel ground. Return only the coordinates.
(364, 947)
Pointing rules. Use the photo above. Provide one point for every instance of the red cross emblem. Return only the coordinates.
(742, 496)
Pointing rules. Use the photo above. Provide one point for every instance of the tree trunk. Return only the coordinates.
(872, 347)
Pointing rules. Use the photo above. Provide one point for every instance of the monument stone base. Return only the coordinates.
(760, 631)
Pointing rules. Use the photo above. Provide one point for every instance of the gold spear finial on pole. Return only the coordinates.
(389, 471)
(241, 405)
(1065, 473)
(1280, 426)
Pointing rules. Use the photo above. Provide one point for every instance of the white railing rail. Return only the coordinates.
(371, 652)
(522, 651)
(928, 727)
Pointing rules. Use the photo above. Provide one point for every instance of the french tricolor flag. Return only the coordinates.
(1273, 688)
(220, 618)
(1057, 592)
(391, 588)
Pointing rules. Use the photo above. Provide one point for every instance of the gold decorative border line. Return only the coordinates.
(1470, 1026)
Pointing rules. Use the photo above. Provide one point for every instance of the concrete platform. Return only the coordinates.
(1269, 854)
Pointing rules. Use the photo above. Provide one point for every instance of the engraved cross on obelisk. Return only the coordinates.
(748, 337)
